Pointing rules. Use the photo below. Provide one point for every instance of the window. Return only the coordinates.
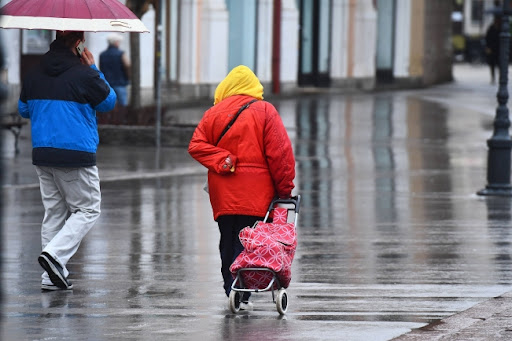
(477, 10)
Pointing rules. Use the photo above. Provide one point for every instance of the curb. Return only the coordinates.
(170, 136)
(489, 320)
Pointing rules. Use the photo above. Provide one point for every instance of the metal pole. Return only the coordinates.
(276, 48)
(158, 115)
(500, 144)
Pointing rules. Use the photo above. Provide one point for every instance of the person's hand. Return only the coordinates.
(228, 164)
(87, 57)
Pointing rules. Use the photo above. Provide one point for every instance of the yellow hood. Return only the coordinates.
(240, 81)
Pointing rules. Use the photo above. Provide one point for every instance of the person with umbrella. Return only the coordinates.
(61, 96)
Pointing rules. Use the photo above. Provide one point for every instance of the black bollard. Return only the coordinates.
(500, 144)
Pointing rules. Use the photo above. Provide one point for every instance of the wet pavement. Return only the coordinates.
(392, 236)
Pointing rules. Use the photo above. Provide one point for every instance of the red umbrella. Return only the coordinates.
(70, 15)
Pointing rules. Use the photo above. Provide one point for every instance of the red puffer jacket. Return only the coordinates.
(260, 150)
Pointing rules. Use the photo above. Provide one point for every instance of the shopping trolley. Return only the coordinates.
(265, 263)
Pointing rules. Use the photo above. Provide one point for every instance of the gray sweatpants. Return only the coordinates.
(71, 199)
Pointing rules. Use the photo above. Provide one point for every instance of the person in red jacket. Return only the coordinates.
(251, 164)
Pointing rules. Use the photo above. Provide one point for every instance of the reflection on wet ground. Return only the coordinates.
(391, 234)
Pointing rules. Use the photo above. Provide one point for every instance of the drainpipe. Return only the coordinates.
(276, 47)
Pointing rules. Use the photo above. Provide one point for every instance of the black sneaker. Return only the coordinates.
(54, 270)
(53, 287)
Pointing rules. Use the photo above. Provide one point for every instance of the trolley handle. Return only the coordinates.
(293, 200)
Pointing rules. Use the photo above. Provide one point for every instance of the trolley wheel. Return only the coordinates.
(282, 301)
(234, 301)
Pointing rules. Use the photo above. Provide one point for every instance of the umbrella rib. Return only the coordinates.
(104, 2)
(87, 4)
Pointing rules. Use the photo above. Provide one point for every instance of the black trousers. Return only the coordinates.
(230, 246)
(494, 63)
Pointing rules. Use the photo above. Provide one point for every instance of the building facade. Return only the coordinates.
(288, 43)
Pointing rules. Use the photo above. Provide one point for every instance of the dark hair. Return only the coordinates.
(69, 38)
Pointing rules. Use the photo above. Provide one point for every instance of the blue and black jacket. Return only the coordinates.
(61, 97)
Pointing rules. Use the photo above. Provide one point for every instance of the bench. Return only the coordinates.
(13, 122)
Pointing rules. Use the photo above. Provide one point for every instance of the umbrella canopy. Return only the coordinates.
(70, 15)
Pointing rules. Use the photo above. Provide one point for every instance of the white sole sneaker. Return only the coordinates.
(53, 287)
(246, 306)
(54, 270)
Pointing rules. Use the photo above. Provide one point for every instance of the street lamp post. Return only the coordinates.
(500, 144)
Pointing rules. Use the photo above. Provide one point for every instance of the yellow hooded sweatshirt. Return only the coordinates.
(239, 81)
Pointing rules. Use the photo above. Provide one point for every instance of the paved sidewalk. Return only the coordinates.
(492, 319)
(358, 273)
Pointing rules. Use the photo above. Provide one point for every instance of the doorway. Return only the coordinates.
(242, 33)
(315, 43)
(385, 40)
